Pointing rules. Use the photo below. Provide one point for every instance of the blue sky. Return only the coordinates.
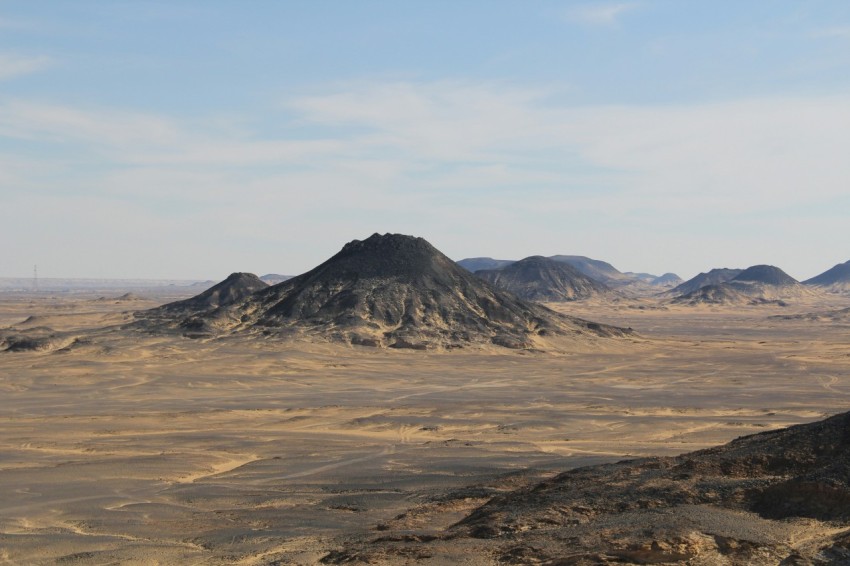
(189, 139)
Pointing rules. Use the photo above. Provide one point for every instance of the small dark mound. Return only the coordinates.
(767, 275)
(235, 288)
(538, 278)
(666, 280)
(714, 277)
(838, 274)
(712, 295)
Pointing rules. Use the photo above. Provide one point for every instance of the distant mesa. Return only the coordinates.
(835, 279)
(713, 277)
(598, 270)
(386, 291)
(275, 278)
(541, 279)
(474, 264)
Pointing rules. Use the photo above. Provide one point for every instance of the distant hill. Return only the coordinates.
(275, 278)
(666, 280)
(601, 271)
(712, 295)
(767, 282)
(235, 288)
(723, 294)
(766, 274)
(713, 277)
(541, 279)
(474, 264)
(386, 291)
(836, 279)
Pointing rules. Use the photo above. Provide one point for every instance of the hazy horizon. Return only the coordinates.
(188, 139)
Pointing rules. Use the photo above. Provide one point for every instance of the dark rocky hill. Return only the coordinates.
(666, 280)
(767, 275)
(235, 288)
(724, 294)
(473, 264)
(712, 295)
(714, 277)
(835, 278)
(538, 278)
(390, 291)
(779, 497)
(601, 271)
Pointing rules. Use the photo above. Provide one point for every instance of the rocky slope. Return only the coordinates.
(835, 279)
(779, 497)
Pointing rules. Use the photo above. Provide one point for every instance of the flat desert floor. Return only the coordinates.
(137, 449)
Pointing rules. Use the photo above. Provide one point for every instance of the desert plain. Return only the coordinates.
(130, 448)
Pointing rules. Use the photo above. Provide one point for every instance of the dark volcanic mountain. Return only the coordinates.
(837, 278)
(713, 277)
(473, 264)
(736, 504)
(396, 291)
(767, 275)
(766, 282)
(713, 295)
(723, 294)
(538, 278)
(598, 270)
(235, 288)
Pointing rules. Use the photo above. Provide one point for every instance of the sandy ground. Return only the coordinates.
(137, 449)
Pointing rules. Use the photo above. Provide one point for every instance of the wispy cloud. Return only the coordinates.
(12, 65)
(832, 32)
(446, 150)
(600, 13)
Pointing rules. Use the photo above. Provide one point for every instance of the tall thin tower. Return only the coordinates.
(35, 279)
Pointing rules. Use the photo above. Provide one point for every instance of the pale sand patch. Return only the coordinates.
(145, 449)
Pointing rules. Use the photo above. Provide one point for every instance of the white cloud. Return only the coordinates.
(833, 32)
(13, 66)
(454, 161)
(599, 13)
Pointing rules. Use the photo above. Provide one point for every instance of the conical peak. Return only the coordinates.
(767, 274)
(388, 243)
(239, 277)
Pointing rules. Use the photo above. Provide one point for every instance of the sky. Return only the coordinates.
(193, 138)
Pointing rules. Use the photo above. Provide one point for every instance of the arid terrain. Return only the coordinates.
(120, 446)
